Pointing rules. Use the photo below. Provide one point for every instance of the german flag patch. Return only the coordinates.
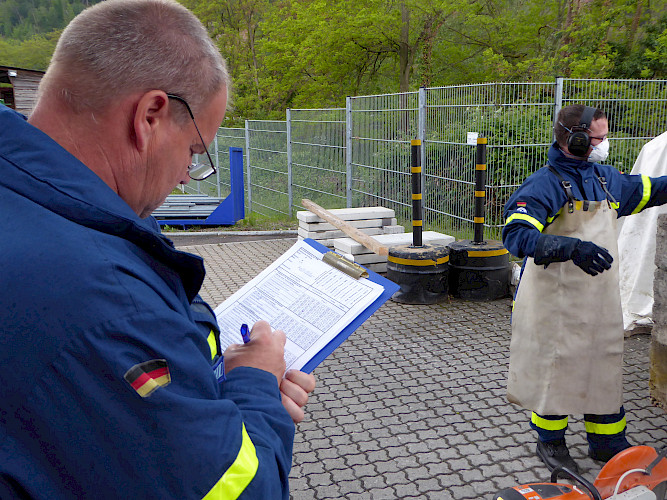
(520, 203)
(148, 376)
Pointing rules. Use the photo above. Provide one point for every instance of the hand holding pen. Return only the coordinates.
(266, 351)
(294, 385)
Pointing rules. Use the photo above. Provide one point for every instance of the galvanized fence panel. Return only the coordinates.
(317, 156)
(516, 120)
(360, 156)
(637, 112)
(268, 188)
(381, 128)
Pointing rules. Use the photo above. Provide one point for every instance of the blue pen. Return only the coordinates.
(245, 334)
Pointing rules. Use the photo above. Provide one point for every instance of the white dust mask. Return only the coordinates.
(600, 152)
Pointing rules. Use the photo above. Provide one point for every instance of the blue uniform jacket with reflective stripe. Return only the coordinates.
(89, 290)
(539, 199)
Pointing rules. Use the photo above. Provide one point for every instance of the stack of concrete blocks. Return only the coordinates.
(378, 263)
(370, 220)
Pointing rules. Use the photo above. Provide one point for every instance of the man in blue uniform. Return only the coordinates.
(111, 380)
(567, 329)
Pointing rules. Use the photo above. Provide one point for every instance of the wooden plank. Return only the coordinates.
(354, 233)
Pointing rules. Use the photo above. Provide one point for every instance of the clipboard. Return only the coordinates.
(389, 289)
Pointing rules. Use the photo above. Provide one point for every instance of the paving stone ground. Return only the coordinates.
(413, 404)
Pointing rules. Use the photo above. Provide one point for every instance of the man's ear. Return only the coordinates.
(152, 112)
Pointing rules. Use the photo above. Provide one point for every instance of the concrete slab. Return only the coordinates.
(327, 243)
(379, 268)
(349, 214)
(393, 229)
(325, 226)
(330, 235)
(348, 245)
(367, 258)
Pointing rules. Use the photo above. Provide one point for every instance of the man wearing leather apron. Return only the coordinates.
(566, 353)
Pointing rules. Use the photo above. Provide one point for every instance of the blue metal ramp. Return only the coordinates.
(203, 210)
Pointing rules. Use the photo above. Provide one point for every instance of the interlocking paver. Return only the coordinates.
(413, 404)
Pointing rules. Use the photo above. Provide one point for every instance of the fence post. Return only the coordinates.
(348, 150)
(421, 134)
(558, 101)
(247, 157)
(217, 166)
(290, 196)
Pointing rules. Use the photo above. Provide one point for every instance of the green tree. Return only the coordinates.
(313, 53)
(235, 25)
(33, 53)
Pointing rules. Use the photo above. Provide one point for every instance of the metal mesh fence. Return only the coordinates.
(268, 186)
(381, 128)
(316, 156)
(360, 156)
(636, 109)
(516, 120)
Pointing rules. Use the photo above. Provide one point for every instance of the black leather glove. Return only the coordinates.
(590, 257)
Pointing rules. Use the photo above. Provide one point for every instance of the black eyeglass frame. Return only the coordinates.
(193, 165)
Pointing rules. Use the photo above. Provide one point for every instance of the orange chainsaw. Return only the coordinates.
(636, 473)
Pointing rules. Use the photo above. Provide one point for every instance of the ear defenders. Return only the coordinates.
(579, 141)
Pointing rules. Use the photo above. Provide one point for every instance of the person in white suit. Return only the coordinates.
(636, 245)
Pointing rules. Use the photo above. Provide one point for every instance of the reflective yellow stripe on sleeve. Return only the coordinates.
(240, 473)
(531, 220)
(212, 344)
(646, 194)
(613, 428)
(549, 425)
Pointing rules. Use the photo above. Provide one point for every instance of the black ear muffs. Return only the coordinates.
(579, 141)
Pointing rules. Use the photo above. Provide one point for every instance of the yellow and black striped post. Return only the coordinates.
(420, 270)
(478, 269)
(416, 169)
(480, 189)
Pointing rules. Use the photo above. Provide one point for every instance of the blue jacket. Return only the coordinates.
(539, 200)
(107, 387)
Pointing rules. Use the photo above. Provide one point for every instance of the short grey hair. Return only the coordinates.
(118, 47)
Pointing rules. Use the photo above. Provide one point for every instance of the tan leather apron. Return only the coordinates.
(566, 353)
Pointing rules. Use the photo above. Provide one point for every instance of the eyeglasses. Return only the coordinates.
(197, 171)
(598, 138)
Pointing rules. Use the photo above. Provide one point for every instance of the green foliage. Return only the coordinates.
(29, 29)
(32, 53)
(23, 19)
(257, 222)
(311, 54)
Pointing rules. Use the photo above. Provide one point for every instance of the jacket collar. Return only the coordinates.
(564, 164)
(47, 174)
